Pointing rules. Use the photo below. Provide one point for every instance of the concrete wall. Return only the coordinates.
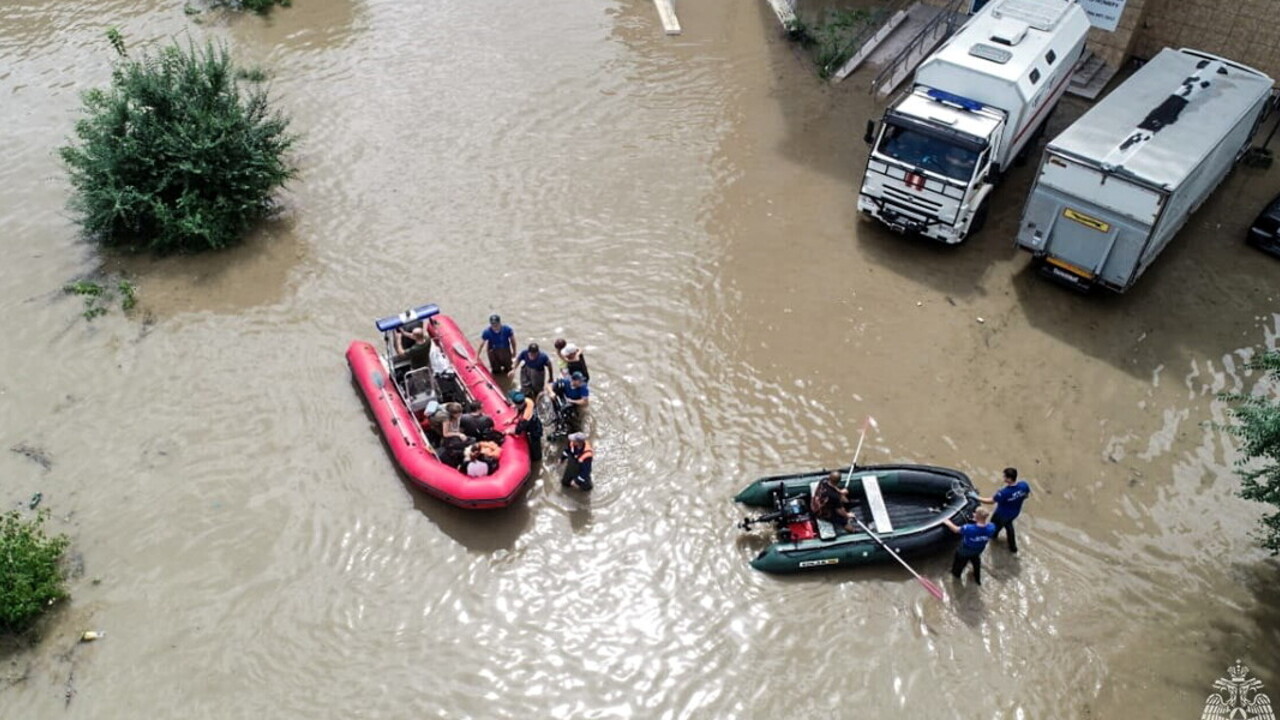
(1246, 31)
(1115, 47)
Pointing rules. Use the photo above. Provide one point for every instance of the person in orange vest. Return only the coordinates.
(577, 471)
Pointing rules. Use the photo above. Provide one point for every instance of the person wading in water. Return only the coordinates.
(501, 341)
(1008, 501)
(578, 456)
(528, 424)
(574, 359)
(974, 537)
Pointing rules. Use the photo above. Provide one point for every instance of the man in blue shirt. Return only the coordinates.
(534, 367)
(574, 393)
(973, 540)
(1008, 501)
(501, 341)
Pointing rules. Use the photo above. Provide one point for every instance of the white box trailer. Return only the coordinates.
(975, 104)
(1118, 184)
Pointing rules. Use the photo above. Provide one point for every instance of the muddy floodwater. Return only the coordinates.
(682, 207)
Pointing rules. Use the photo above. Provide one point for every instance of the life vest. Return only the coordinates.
(584, 453)
(489, 449)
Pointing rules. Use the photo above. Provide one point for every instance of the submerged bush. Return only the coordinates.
(173, 156)
(98, 296)
(835, 39)
(831, 39)
(258, 6)
(1258, 425)
(30, 579)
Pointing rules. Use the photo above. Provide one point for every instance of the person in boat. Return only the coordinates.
(477, 465)
(489, 450)
(1008, 501)
(452, 425)
(501, 342)
(535, 371)
(573, 359)
(974, 537)
(528, 423)
(431, 420)
(831, 502)
(406, 340)
(575, 394)
(475, 424)
(577, 457)
(453, 452)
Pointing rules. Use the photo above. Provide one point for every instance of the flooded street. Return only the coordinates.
(683, 208)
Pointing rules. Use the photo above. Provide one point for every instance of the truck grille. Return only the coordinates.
(912, 200)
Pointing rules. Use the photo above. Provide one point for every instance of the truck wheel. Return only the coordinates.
(979, 221)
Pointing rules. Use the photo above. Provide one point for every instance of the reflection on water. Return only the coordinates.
(682, 208)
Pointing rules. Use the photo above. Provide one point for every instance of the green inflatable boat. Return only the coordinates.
(904, 505)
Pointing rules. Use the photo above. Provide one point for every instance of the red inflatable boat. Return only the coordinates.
(401, 389)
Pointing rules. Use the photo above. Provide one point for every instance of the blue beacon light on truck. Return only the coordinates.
(959, 101)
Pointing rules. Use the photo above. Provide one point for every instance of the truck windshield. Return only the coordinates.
(919, 150)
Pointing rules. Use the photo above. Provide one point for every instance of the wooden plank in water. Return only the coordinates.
(667, 12)
(871, 486)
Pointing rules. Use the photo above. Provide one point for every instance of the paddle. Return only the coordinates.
(934, 590)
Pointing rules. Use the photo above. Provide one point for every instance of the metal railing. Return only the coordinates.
(940, 27)
(878, 18)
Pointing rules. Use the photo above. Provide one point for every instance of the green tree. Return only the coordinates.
(30, 578)
(173, 156)
(1258, 426)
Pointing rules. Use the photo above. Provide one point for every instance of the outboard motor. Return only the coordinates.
(790, 514)
(797, 521)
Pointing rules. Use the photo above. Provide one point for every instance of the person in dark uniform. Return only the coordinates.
(535, 371)
(577, 456)
(528, 423)
(501, 342)
(575, 395)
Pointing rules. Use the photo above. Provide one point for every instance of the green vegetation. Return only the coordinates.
(173, 156)
(254, 74)
(833, 39)
(30, 578)
(98, 297)
(92, 293)
(1258, 425)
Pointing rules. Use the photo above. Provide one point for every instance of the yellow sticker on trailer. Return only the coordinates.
(1086, 220)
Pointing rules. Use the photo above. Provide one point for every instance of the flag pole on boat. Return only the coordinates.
(934, 590)
(870, 421)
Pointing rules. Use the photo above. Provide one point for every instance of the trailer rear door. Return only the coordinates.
(1083, 243)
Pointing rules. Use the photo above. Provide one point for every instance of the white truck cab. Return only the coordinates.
(976, 103)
